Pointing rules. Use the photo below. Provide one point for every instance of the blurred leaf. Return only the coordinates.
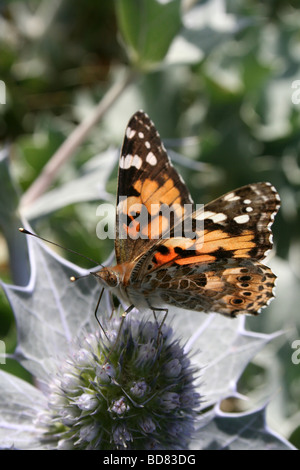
(148, 28)
(91, 185)
(10, 221)
(9, 195)
(205, 27)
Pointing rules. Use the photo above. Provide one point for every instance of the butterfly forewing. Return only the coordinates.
(148, 185)
(237, 225)
(236, 233)
(244, 214)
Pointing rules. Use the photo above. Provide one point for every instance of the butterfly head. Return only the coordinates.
(108, 277)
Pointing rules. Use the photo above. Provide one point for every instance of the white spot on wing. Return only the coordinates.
(151, 159)
(220, 217)
(137, 162)
(231, 197)
(216, 217)
(122, 162)
(130, 133)
(128, 161)
(204, 215)
(242, 219)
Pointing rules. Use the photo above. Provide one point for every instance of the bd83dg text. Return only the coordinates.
(171, 459)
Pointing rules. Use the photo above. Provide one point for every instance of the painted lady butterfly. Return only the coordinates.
(216, 269)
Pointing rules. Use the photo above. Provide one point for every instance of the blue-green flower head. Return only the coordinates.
(133, 393)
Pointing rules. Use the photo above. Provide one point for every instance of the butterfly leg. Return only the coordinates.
(158, 309)
(112, 305)
(123, 316)
(96, 311)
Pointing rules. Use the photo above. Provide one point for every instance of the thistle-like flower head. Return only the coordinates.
(133, 393)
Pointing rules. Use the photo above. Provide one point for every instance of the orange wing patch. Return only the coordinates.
(206, 249)
(237, 246)
(148, 219)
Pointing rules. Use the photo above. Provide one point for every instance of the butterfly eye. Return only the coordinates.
(113, 280)
(110, 278)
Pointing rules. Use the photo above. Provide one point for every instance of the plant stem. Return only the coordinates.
(66, 150)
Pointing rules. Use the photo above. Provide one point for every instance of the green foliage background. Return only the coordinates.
(216, 78)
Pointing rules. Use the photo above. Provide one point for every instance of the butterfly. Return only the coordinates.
(216, 266)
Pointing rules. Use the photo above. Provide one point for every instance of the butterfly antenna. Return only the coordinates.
(23, 230)
(75, 278)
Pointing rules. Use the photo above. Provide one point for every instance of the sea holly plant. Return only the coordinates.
(139, 387)
(145, 391)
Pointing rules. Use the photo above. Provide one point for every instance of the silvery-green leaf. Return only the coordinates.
(51, 311)
(10, 221)
(20, 405)
(221, 347)
(278, 356)
(242, 431)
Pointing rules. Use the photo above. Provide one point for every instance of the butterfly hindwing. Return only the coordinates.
(230, 287)
(244, 214)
